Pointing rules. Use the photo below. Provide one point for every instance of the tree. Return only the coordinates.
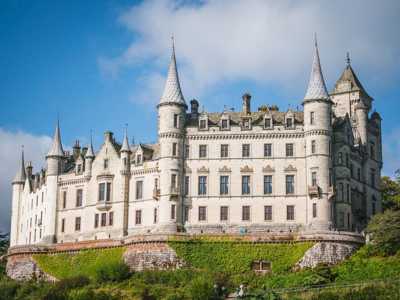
(391, 192)
(385, 232)
(4, 240)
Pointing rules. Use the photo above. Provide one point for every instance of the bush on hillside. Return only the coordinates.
(112, 272)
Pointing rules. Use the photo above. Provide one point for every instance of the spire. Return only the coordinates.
(348, 59)
(316, 87)
(172, 90)
(90, 152)
(125, 143)
(56, 149)
(21, 175)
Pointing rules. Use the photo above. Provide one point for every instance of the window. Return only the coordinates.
(224, 150)
(62, 225)
(267, 123)
(79, 196)
(202, 213)
(174, 149)
(267, 184)
(289, 150)
(64, 199)
(290, 212)
(348, 193)
(347, 160)
(351, 171)
(246, 124)
(103, 219)
(186, 213)
(267, 150)
(245, 185)
(372, 150)
(330, 177)
(111, 218)
(289, 184)
(223, 215)
(139, 159)
(359, 174)
(314, 210)
(173, 210)
(105, 164)
(289, 122)
(268, 213)
(312, 117)
(202, 185)
(340, 158)
(105, 191)
(187, 151)
(341, 191)
(372, 177)
(203, 124)
(79, 168)
(173, 182)
(246, 150)
(224, 124)
(139, 189)
(155, 216)
(125, 161)
(314, 178)
(224, 185)
(245, 213)
(313, 146)
(138, 217)
(77, 223)
(176, 121)
(203, 151)
(96, 220)
(186, 189)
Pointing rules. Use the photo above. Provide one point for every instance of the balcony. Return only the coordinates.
(103, 205)
(156, 193)
(313, 191)
(174, 191)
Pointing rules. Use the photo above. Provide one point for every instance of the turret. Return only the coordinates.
(89, 157)
(317, 130)
(125, 153)
(171, 116)
(17, 188)
(126, 175)
(361, 112)
(55, 155)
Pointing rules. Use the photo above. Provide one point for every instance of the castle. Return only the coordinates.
(223, 172)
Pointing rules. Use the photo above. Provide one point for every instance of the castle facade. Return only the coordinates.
(224, 172)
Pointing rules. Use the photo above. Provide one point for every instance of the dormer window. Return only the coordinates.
(138, 159)
(78, 168)
(246, 124)
(203, 124)
(224, 124)
(267, 122)
(289, 123)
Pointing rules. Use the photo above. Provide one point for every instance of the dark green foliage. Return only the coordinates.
(391, 192)
(72, 282)
(112, 272)
(385, 232)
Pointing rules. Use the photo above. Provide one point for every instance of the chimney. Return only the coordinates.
(76, 149)
(29, 170)
(194, 108)
(108, 136)
(246, 103)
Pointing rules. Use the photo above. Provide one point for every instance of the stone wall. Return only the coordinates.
(23, 267)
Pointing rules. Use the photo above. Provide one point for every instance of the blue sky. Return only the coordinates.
(100, 65)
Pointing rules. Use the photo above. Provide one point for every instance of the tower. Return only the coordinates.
(317, 132)
(89, 157)
(55, 162)
(17, 188)
(171, 127)
(126, 175)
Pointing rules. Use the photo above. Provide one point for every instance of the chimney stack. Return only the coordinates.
(246, 103)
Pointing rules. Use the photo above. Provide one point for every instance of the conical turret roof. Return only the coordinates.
(56, 149)
(90, 152)
(172, 90)
(21, 174)
(125, 144)
(316, 87)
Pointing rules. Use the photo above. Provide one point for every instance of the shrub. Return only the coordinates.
(112, 272)
(202, 288)
(8, 289)
(72, 282)
(89, 294)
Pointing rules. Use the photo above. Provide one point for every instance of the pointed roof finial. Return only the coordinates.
(316, 87)
(125, 144)
(172, 90)
(348, 58)
(56, 149)
(21, 174)
(90, 152)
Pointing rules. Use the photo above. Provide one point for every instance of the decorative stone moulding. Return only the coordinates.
(313, 191)
(105, 176)
(290, 168)
(103, 205)
(246, 169)
(224, 169)
(268, 169)
(203, 169)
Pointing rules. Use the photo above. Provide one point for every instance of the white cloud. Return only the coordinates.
(263, 41)
(35, 147)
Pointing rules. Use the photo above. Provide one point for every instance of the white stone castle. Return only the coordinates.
(224, 172)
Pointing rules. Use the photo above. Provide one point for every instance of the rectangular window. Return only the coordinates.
(372, 177)
(267, 184)
(224, 151)
(186, 190)
(96, 220)
(372, 150)
(289, 122)
(348, 193)
(224, 124)
(358, 174)
(187, 151)
(155, 216)
(202, 185)
(203, 124)
(173, 182)
(267, 123)
(245, 185)
(176, 121)
(102, 191)
(224, 185)
(103, 219)
(173, 210)
(203, 151)
(64, 199)
(290, 212)
(223, 213)
(138, 217)
(79, 196)
(139, 189)
(77, 223)
(62, 225)
(245, 213)
(289, 184)
(246, 150)
(314, 178)
(186, 213)
(267, 150)
(289, 150)
(111, 218)
(314, 210)
(312, 116)
(202, 213)
(105, 164)
(268, 213)
(313, 147)
(330, 177)
(174, 149)
(139, 159)
(108, 191)
(246, 124)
